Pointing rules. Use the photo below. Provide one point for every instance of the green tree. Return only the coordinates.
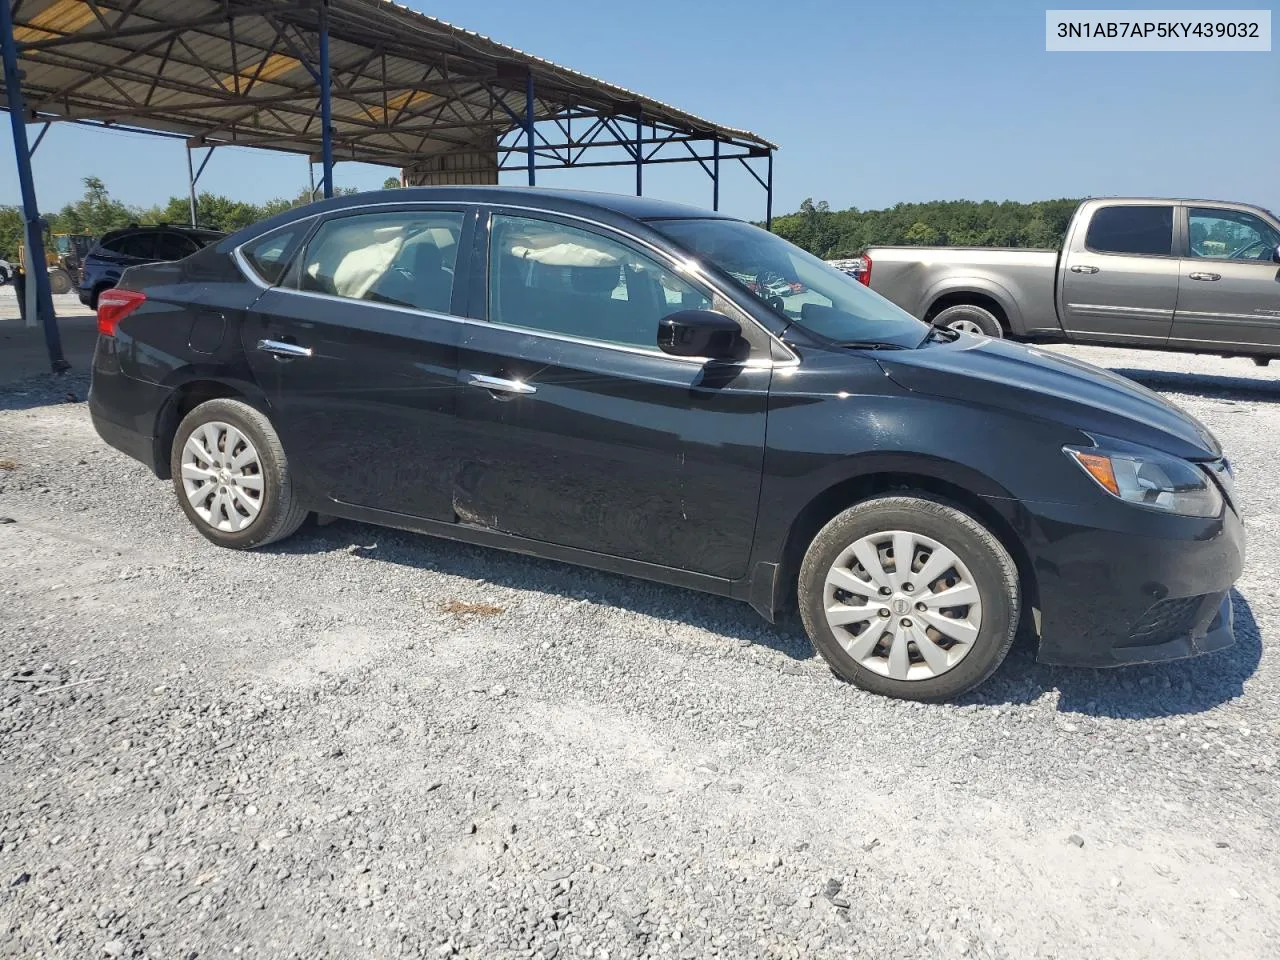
(391, 183)
(10, 233)
(94, 213)
(923, 235)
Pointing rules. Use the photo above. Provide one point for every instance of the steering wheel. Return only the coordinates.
(1240, 254)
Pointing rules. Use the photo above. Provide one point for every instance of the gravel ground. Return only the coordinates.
(365, 743)
(64, 305)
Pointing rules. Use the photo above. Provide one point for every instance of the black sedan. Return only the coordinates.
(608, 381)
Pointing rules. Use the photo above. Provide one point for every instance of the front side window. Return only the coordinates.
(557, 279)
(1230, 235)
(798, 286)
(1141, 229)
(404, 258)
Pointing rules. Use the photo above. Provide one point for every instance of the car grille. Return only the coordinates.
(1165, 621)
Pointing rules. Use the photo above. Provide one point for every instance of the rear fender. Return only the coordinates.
(980, 285)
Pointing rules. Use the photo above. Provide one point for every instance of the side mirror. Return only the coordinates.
(700, 333)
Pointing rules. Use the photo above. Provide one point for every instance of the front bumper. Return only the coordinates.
(1109, 598)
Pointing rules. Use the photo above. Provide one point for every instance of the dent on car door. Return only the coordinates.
(357, 351)
(1229, 292)
(576, 430)
(1121, 282)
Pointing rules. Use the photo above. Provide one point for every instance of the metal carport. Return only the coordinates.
(365, 80)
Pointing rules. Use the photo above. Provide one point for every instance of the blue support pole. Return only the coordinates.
(528, 126)
(768, 196)
(37, 271)
(326, 105)
(40, 136)
(715, 174)
(639, 153)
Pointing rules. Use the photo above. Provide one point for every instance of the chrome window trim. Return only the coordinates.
(246, 265)
(757, 362)
(793, 359)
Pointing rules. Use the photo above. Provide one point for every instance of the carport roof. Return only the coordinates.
(405, 85)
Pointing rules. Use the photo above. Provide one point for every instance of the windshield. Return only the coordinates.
(796, 285)
(62, 243)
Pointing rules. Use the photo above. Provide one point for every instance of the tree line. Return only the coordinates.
(97, 212)
(832, 234)
(815, 226)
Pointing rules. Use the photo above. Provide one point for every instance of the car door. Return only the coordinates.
(577, 430)
(1120, 279)
(1229, 293)
(355, 345)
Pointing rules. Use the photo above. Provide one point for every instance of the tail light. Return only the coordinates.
(862, 271)
(114, 306)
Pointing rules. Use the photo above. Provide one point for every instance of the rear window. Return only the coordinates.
(1132, 229)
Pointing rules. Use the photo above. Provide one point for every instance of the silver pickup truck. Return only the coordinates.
(1194, 275)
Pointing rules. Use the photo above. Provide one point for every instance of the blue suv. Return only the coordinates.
(120, 249)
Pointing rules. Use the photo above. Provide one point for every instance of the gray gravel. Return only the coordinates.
(364, 743)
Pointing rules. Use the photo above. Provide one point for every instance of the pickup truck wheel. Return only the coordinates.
(909, 597)
(968, 318)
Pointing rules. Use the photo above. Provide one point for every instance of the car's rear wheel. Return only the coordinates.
(909, 597)
(98, 291)
(232, 477)
(969, 318)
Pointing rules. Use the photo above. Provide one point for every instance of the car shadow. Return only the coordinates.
(1208, 385)
(1137, 692)
(44, 390)
(1154, 690)
(676, 605)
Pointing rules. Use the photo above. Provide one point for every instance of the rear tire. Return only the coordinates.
(59, 281)
(970, 318)
(97, 293)
(880, 630)
(232, 477)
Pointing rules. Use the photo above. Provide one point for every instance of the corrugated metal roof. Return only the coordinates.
(405, 85)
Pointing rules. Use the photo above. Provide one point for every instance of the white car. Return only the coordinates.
(6, 272)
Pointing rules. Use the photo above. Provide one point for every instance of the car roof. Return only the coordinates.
(548, 198)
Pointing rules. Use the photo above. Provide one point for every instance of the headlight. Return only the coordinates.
(1150, 479)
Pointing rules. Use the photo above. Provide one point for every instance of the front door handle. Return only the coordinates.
(1200, 275)
(499, 385)
(279, 348)
(1084, 268)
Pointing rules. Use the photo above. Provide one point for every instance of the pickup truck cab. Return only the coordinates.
(1193, 275)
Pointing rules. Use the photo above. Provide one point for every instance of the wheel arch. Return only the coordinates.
(978, 292)
(189, 389)
(950, 483)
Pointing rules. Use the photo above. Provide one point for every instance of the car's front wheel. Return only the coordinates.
(232, 477)
(909, 597)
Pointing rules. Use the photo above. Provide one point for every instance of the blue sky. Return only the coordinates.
(871, 104)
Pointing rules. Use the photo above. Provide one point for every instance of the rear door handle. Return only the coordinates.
(279, 348)
(1084, 268)
(499, 385)
(1200, 275)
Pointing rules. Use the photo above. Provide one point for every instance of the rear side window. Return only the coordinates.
(270, 255)
(404, 258)
(173, 246)
(140, 245)
(1135, 229)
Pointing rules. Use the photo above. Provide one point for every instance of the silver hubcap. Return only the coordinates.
(222, 476)
(965, 326)
(903, 605)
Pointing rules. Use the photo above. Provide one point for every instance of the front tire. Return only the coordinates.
(929, 630)
(232, 477)
(969, 318)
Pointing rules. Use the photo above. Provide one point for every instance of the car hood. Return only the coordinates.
(1049, 386)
